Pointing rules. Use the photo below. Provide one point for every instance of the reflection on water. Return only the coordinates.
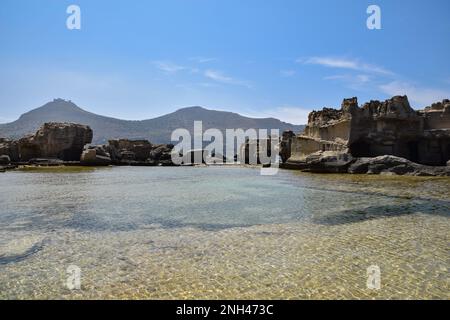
(222, 232)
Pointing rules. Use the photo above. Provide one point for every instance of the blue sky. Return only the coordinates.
(280, 58)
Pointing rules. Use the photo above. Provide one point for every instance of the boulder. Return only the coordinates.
(328, 162)
(448, 163)
(376, 165)
(395, 165)
(131, 150)
(162, 154)
(5, 160)
(361, 165)
(64, 141)
(95, 156)
(139, 152)
(113, 153)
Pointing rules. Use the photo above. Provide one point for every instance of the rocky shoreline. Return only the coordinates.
(331, 162)
(68, 144)
(386, 137)
(378, 138)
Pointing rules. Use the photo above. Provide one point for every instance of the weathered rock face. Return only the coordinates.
(95, 156)
(324, 162)
(134, 150)
(4, 160)
(396, 166)
(378, 128)
(338, 162)
(162, 154)
(64, 141)
(386, 128)
(437, 116)
(9, 148)
(137, 152)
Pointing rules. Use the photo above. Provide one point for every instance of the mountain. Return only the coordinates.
(157, 130)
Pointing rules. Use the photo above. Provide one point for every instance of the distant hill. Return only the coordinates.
(157, 130)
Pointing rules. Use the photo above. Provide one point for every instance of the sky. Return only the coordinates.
(273, 58)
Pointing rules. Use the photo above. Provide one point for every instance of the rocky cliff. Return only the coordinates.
(339, 136)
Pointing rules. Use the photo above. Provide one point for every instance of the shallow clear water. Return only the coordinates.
(221, 232)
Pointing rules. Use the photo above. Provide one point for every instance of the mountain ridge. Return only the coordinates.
(156, 130)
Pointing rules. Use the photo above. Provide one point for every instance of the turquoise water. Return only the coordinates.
(221, 232)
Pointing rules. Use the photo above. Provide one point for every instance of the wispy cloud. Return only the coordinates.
(208, 84)
(218, 76)
(287, 73)
(345, 63)
(370, 77)
(353, 81)
(421, 96)
(359, 78)
(203, 59)
(168, 67)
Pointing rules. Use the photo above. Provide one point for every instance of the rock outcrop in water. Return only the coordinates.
(127, 152)
(95, 156)
(61, 143)
(395, 165)
(334, 139)
(162, 154)
(139, 152)
(133, 150)
(64, 141)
